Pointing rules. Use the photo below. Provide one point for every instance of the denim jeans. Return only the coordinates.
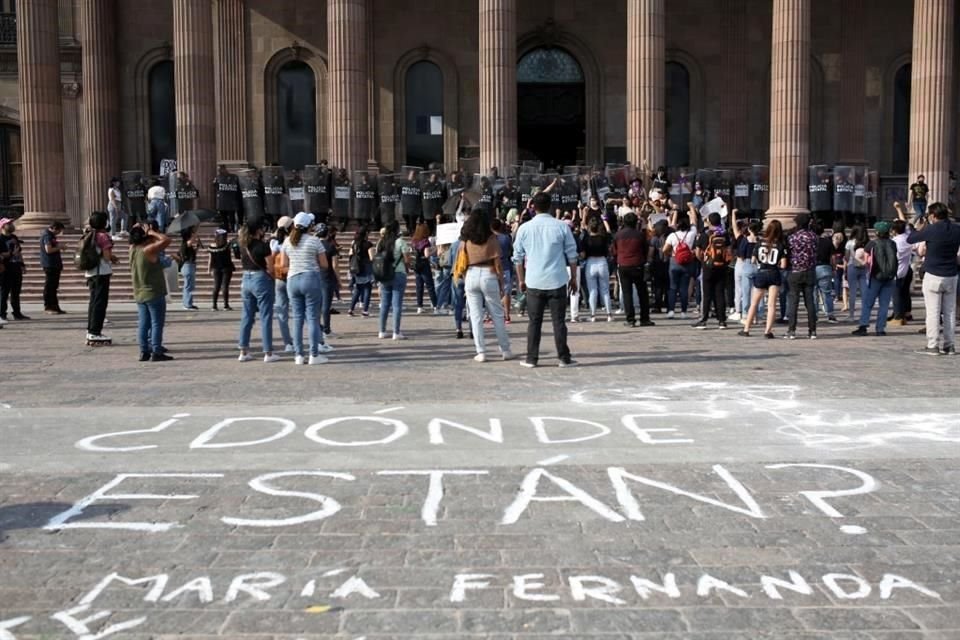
(157, 210)
(150, 320)
(680, 276)
(425, 281)
(747, 271)
(258, 292)
(391, 297)
(598, 283)
(940, 299)
(281, 310)
(877, 291)
(189, 273)
(118, 219)
(856, 281)
(361, 294)
(737, 284)
(919, 210)
(483, 288)
(824, 275)
(303, 289)
(444, 287)
(459, 303)
(327, 290)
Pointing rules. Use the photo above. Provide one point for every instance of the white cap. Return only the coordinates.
(303, 220)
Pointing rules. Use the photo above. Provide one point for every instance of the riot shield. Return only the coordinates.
(182, 193)
(364, 196)
(818, 183)
(411, 196)
(274, 190)
(316, 191)
(251, 194)
(342, 193)
(294, 183)
(843, 187)
(681, 185)
(599, 184)
(483, 186)
(569, 193)
(723, 186)
(760, 188)
(509, 196)
(227, 193)
(860, 190)
(707, 179)
(457, 183)
(433, 194)
(389, 198)
(742, 189)
(531, 166)
(525, 188)
(134, 195)
(617, 175)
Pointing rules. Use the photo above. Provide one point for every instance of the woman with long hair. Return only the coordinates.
(258, 289)
(303, 256)
(856, 261)
(391, 291)
(281, 301)
(189, 246)
(422, 252)
(362, 271)
(770, 256)
(483, 282)
(683, 264)
(595, 252)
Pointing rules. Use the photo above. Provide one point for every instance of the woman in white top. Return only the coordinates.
(856, 260)
(118, 220)
(303, 257)
(680, 246)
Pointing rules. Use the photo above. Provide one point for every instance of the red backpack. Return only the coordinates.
(682, 253)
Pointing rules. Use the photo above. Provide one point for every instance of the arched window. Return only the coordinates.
(677, 134)
(424, 114)
(549, 66)
(163, 114)
(11, 166)
(551, 107)
(297, 115)
(901, 120)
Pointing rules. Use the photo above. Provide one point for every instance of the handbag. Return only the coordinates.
(461, 265)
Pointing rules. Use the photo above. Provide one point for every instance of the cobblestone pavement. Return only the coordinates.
(677, 484)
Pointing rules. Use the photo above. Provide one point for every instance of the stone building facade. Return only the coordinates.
(89, 88)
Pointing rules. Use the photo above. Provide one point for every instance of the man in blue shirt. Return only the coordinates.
(546, 257)
(942, 239)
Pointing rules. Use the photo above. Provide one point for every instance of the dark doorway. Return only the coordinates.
(297, 111)
(163, 115)
(424, 114)
(901, 120)
(551, 107)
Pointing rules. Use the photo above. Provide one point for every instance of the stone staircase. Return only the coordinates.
(73, 288)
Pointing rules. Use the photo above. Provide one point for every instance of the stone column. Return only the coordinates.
(853, 82)
(930, 99)
(194, 86)
(347, 45)
(100, 147)
(789, 109)
(73, 160)
(41, 113)
(646, 83)
(231, 81)
(734, 106)
(498, 84)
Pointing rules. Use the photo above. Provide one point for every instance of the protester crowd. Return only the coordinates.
(585, 252)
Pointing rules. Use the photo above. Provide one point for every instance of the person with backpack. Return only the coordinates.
(802, 278)
(942, 242)
(715, 255)
(281, 300)
(856, 260)
(391, 261)
(882, 277)
(95, 258)
(422, 270)
(679, 247)
(770, 257)
(361, 270)
(303, 256)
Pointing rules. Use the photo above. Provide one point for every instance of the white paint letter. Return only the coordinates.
(868, 485)
(540, 426)
(200, 442)
(435, 427)
(528, 494)
(797, 584)
(708, 583)
(643, 435)
(522, 585)
(59, 522)
(261, 484)
(355, 584)
(158, 584)
(464, 581)
(892, 581)
(254, 585)
(619, 476)
(80, 628)
(644, 587)
(605, 589)
(87, 443)
(832, 582)
(202, 587)
(431, 504)
(10, 624)
(400, 429)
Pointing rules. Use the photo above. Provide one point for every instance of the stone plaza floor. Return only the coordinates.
(677, 484)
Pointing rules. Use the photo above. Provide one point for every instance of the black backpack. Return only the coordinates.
(87, 257)
(884, 260)
(383, 264)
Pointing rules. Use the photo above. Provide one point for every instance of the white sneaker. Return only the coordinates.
(271, 358)
(436, 311)
(593, 318)
(289, 349)
(683, 316)
(382, 336)
(399, 336)
(609, 318)
(480, 357)
(508, 355)
(734, 317)
(318, 360)
(419, 311)
(298, 360)
(245, 357)
(325, 348)
(670, 315)
(330, 335)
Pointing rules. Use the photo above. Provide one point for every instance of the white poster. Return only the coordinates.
(448, 233)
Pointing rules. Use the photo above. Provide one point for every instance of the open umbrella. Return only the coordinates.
(189, 219)
(470, 197)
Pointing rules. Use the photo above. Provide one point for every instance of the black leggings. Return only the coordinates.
(11, 283)
(714, 291)
(221, 282)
